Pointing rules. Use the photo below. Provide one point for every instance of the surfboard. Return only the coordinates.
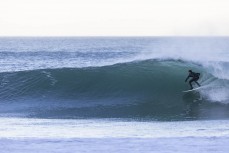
(193, 89)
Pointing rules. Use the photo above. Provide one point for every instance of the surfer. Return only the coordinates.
(194, 76)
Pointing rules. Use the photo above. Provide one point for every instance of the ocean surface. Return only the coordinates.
(113, 94)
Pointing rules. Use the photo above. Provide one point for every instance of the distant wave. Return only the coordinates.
(147, 88)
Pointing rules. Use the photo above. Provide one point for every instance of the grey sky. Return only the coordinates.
(113, 17)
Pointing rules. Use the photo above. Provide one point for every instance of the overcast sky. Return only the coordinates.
(114, 17)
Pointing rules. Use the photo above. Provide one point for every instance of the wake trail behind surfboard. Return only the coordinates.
(194, 89)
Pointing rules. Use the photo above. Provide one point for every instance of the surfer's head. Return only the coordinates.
(190, 71)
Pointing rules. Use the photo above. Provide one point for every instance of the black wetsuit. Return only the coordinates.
(195, 77)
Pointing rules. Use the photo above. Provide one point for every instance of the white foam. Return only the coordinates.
(102, 128)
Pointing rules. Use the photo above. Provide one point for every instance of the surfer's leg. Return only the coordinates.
(190, 83)
(197, 82)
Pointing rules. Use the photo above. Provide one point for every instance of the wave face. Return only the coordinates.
(144, 89)
(113, 78)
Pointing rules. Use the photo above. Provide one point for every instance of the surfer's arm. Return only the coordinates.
(187, 78)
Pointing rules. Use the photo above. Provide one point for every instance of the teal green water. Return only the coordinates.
(105, 77)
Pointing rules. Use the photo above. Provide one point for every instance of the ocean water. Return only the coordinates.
(113, 94)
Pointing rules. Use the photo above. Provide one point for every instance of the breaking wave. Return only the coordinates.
(139, 89)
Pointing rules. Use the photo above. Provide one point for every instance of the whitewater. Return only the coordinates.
(122, 94)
